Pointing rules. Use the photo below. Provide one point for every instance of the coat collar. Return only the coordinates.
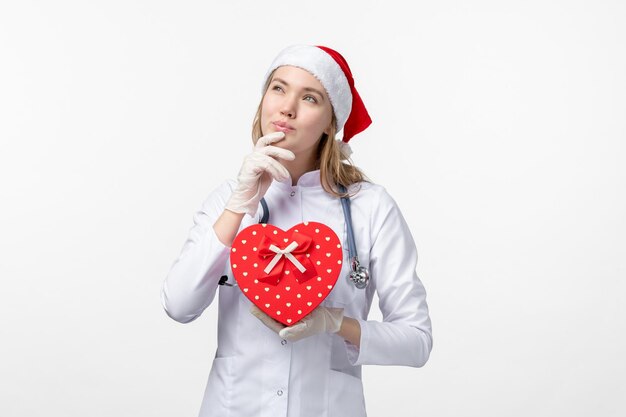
(308, 179)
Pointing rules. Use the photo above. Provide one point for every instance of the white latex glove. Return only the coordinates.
(267, 320)
(256, 174)
(321, 319)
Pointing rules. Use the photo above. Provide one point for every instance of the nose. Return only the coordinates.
(288, 108)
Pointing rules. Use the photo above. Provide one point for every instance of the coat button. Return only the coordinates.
(279, 392)
(292, 193)
(283, 342)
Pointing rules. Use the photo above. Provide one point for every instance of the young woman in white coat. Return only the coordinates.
(313, 368)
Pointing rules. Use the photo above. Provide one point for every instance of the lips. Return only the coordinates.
(283, 127)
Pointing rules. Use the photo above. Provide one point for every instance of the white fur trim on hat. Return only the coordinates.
(345, 149)
(323, 67)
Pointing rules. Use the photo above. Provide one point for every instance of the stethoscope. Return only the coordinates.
(358, 275)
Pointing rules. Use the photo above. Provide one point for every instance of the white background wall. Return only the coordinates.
(498, 127)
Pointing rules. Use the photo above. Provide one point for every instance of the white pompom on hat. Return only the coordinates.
(333, 72)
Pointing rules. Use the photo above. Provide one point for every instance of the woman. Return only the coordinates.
(313, 368)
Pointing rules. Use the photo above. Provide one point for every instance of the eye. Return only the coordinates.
(277, 88)
(313, 99)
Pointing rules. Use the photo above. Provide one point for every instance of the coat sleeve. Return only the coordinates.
(404, 337)
(190, 285)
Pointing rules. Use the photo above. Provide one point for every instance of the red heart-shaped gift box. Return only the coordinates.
(286, 273)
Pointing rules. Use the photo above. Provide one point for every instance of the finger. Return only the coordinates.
(285, 333)
(272, 324)
(258, 313)
(267, 320)
(276, 326)
(270, 138)
(277, 152)
(273, 167)
(290, 333)
(295, 329)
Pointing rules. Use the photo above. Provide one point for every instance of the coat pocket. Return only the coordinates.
(345, 395)
(218, 391)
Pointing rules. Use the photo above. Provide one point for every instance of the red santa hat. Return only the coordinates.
(333, 72)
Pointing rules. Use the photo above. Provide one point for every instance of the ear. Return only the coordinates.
(330, 123)
(327, 130)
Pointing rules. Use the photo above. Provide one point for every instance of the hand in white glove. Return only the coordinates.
(267, 320)
(321, 319)
(256, 174)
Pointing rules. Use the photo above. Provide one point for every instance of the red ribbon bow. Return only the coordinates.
(279, 252)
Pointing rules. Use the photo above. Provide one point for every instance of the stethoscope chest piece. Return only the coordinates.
(358, 274)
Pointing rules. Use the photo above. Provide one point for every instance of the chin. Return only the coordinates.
(282, 144)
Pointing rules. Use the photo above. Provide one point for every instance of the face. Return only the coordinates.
(296, 103)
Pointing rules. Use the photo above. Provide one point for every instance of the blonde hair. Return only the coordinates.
(335, 167)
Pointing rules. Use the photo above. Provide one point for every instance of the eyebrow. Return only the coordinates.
(280, 80)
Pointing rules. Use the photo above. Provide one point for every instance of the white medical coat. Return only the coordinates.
(257, 373)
